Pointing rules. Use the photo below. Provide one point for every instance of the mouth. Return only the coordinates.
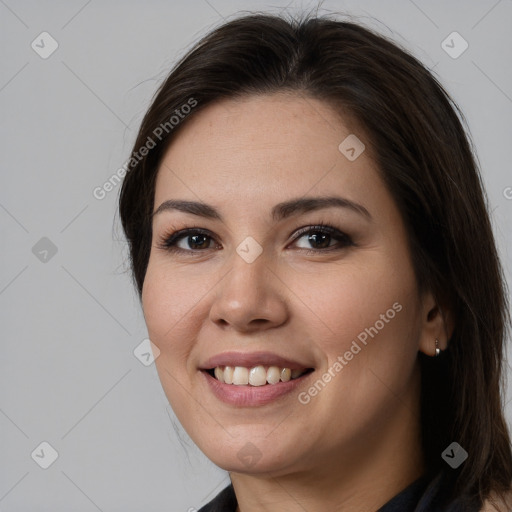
(259, 375)
(253, 379)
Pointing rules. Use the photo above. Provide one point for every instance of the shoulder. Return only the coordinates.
(225, 501)
(497, 504)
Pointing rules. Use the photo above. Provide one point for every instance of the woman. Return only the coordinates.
(310, 241)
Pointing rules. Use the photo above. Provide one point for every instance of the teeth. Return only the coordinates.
(240, 376)
(273, 375)
(228, 374)
(258, 376)
(219, 374)
(286, 374)
(296, 373)
(255, 376)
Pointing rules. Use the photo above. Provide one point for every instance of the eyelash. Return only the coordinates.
(169, 240)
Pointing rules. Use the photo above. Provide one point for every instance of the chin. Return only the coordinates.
(251, 454)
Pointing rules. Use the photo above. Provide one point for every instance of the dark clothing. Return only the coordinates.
(423, 495)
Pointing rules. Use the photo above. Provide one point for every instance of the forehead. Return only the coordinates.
(262, 150)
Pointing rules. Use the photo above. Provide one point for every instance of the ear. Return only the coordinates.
(437, 323)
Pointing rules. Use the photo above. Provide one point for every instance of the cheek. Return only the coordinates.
(170, 304)
(344, 299)
(366, 313)
(367, 325)
(376, 327)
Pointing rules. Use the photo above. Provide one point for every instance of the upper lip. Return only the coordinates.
(251, 359)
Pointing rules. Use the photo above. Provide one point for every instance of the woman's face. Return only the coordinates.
(262, 291)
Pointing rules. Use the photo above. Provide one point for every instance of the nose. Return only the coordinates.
(250, 297)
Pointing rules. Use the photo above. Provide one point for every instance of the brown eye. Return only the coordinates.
(186, 240)
(319, 238)
(197, 241)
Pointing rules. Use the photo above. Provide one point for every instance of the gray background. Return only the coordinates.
(71, 320)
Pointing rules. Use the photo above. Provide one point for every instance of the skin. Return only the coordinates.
(356, 444)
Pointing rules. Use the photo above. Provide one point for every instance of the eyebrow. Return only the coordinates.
(279, 211)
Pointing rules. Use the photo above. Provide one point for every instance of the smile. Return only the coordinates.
(255, 376)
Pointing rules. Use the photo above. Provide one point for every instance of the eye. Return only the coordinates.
(321, 236)
(186, 240)
(196, 240)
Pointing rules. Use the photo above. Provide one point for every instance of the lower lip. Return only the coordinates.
(252, 396)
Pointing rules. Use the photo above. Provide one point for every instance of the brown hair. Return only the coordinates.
(425, 157)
